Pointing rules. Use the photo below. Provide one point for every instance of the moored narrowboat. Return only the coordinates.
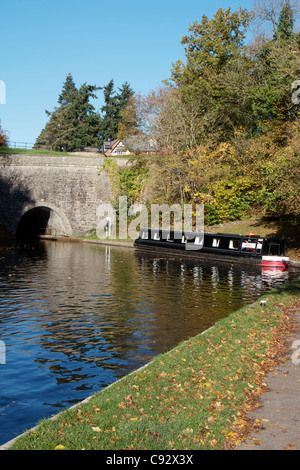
(251, 248)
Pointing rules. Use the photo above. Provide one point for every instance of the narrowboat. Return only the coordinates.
(268, 253)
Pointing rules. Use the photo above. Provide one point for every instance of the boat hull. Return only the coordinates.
(275, 262)
(225, 256)
(196, 254)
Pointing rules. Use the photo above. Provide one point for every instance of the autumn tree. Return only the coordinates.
(225, 117)
(213, 49)
(3, 138)
(129, 124)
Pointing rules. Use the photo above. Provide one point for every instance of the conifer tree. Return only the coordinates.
(285, 27)
(69, 91)
(114, 104)
(74, 124)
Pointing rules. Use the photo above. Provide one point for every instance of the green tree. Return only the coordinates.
(124, 96)
(228, 122)
(276, 67)
(74, 124)
(285, 27)
(69, 91)
(108, 127)
(215, 43)
(269, 15)
(114, 104)
(213, 50)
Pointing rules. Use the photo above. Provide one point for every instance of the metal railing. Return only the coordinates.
(20, 145)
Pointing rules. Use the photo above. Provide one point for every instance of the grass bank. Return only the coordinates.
(16, 151)
(33, 151)
(192, 397)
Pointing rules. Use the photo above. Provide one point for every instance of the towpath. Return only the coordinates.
(277, 420)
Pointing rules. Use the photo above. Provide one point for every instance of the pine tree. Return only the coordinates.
(69, 91)
(74, 124)
(112, 109)
(285, 27)
(126, 93)
(108, 128)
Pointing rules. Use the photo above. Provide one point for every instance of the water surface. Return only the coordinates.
(77, 317)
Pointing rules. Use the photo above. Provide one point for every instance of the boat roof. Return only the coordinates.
(190, 234)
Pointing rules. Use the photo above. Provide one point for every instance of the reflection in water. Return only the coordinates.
(75, 318)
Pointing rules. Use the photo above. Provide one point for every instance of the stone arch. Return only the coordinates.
(42, 219)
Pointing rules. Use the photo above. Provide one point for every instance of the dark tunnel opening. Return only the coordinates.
(33, 223)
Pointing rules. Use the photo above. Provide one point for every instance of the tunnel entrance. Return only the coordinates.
(33, 223)
(40, 221)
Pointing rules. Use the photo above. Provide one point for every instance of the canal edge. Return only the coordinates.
(293, 263)
(8, 444)
(86, 240)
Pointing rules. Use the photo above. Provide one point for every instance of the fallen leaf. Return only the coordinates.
(214, 442)
(96, 429)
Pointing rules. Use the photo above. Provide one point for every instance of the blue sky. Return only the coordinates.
(95, 41)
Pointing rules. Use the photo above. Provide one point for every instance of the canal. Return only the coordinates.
(76, 317)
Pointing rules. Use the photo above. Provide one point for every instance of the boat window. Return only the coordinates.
(184, 239)
(216, 242)
(248, 245)
(144, 234)
(156, 236)
(170, 238)
(234, 244)
(259, 246)
(199, 240)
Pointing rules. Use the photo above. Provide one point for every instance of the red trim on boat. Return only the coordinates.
(273, 264)
(273, 269)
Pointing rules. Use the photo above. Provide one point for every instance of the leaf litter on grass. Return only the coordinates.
(196, 396)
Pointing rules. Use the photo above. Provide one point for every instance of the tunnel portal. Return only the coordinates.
(33, 223)
(40, 221)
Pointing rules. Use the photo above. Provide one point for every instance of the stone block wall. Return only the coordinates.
(70, 186)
